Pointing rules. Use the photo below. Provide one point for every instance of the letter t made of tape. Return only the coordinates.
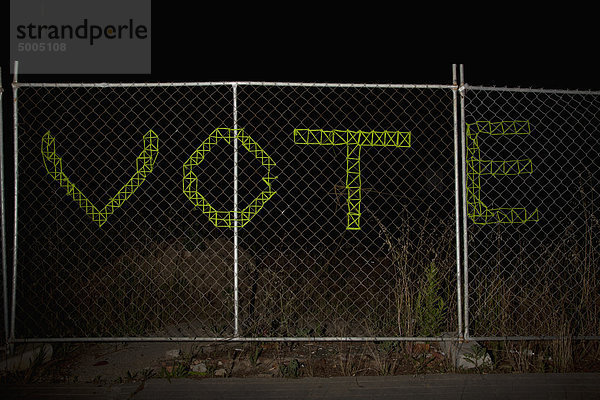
(354, 142)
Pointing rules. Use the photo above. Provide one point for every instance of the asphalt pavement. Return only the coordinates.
(434, 386)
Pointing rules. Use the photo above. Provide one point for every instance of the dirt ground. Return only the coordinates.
(122, 362)
(109, 363)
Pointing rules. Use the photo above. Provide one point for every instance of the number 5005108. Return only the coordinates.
(42, 46)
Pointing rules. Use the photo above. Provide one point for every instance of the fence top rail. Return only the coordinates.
(531, 90)
(231, 83)
(303, 84)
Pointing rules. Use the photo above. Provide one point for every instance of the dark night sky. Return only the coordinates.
(368, 46)
(363, 45)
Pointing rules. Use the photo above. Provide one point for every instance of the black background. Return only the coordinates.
(307, 42)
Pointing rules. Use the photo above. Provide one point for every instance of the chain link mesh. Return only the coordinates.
(126, 199)
(532, 195)
(346, 215)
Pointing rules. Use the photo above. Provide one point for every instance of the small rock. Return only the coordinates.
(466, 354)
(201, 368)
(173, 353)
(220, 372)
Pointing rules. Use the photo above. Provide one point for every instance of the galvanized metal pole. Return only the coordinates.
(457, 205)
(465, 238)
(235, 218)
(16, 177)
(3, 221)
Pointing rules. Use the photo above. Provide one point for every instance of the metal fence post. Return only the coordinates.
(15, 225)
(3, 222)
(235, 215)
(457, 205)
(465, 230)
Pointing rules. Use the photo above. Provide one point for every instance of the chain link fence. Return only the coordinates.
(532, 171)
(295, 211)
(235, 210)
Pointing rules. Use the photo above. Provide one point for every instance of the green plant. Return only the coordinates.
(35, 365)
(477, 357)
(290, 370)
(430, 306)
(147, 373)
(421, 361)
(254, 354)
(176, 370)
(141, 375)
(30, 374)
(383, 354)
